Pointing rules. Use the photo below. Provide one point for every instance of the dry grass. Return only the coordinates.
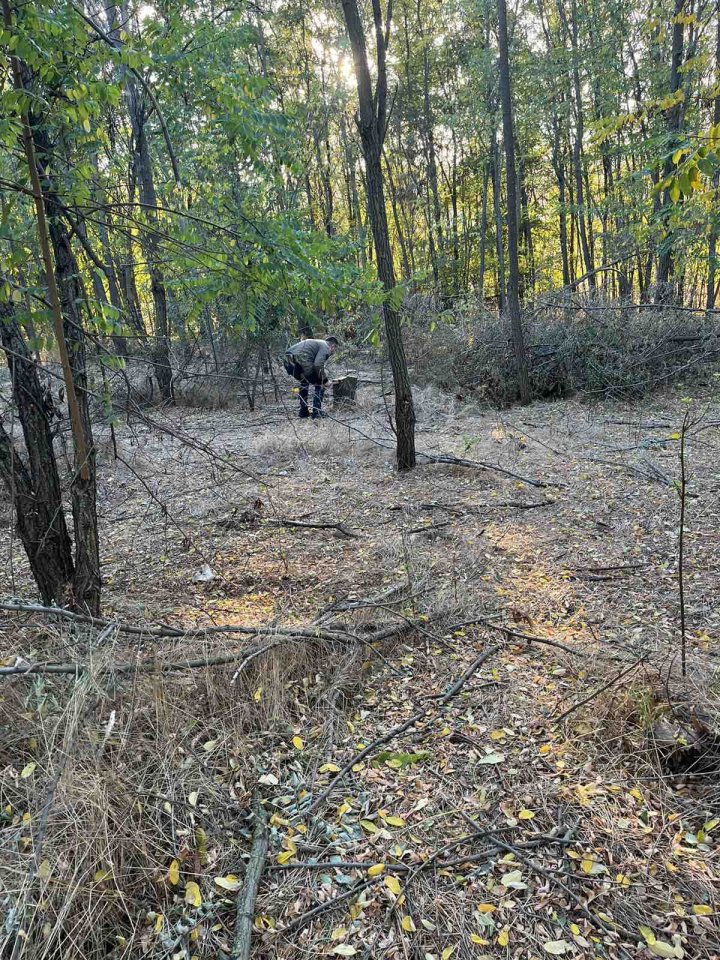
(444, 543)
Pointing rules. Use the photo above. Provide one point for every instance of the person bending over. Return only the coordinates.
(306, 362)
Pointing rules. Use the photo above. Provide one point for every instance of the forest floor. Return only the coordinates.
(552, 796)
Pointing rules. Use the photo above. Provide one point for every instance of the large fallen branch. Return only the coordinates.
(481, 465)
(245, 909)
(17, 605)
(144, 666)
(245, 656)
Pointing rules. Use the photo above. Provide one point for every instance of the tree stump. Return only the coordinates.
(344, 391)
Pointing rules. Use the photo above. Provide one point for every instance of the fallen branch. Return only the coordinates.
(245, 909)
(309, 525)
(246, 656)
(401, 728)
(16, 605)
(602, 689)
(480, 464)
(146, 666)
(516, 634)
(328, 905)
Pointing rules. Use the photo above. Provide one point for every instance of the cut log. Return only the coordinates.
(344, 391)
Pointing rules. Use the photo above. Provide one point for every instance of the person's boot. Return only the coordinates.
(304, 408)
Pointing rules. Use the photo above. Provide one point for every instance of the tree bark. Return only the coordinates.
(497, 215)
(372, 124)
(513, 288)
(663, 293)
(712, 239)
(581, 200)
(65, 295)
(34, 486)
(149, 240)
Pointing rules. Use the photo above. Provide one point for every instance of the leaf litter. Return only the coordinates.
(486, 828)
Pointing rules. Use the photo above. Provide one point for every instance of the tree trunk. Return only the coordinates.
(581, 201)
(712, 239)
(663, 293)
(483, 234)
(513, 295)
(65, 295)
(34, 487)
(371, 121)
(149, 241)
(559, 168)
(497, 214)
(86, 580)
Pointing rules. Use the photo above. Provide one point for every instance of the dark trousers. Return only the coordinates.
(295, 370)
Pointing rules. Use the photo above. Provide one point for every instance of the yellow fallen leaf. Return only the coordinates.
(285, 856)
(193, 897)
(174, 873)
(338, 933)
(447, 953)
(545, 748)
(368, 826)
(230, 882)
(297, 742)
(647, 934)
(474, 938)
(395, 821)
(27, 770)
(556, 948)
(485, 908)
(662, 949)
(526, 815)
(376, 869)
(503, 937)
(407, 924)
(258, 694)
(329, 768)
(44, 870)
(498, 735)
(702, 910)
(101, 875)
(393, 885)
(575, 929)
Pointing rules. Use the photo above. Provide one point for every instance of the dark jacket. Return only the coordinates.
(311, 356)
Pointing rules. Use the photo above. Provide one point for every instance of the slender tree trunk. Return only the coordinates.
(372, 124)
(398, 224)
(497, 214)
(559, 167)
(65, 296)
(582, 207)
(483, 233)
(149, 241)
(86, 580)
(431, 151)
(712, 239)
(663, 292)
(513, 296)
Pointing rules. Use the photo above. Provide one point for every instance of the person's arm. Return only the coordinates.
(321, 358)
